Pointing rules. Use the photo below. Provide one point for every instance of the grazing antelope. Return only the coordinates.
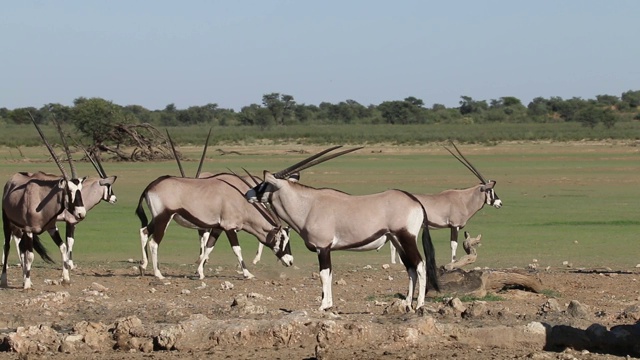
(453, 208)
(215, 204)
(31, 206)
(329, 220)
(209, 237)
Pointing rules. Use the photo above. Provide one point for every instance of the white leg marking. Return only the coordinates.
(327, 297)
(422, 284)
(245, 272)
(203, 246)
(153, 246)
(26, 269)
(454, 248)
(393, 252)
(70, 242)
(144, 237)
(258, 254)
(203, 257)
(412, 284)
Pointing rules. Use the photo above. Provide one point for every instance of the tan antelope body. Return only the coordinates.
(452, 209)
(31, 206)
(215, 203)
(329, 220)
(94, 190)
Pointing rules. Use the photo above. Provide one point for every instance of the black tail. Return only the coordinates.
(41, 250)
(140, 211)
(430, 258)
(427, 246)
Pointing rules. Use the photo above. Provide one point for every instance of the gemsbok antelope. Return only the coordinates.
(214, 204)
(329, 220)
(94, 191)
(31, 206)
(209, 237)
(453, 208)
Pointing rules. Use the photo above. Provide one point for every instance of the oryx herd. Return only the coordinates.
(326, 219)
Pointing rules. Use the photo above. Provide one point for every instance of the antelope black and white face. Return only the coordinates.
(73, 197)
(108, 194)
(491, 198)
(262, 192)
(278, 241)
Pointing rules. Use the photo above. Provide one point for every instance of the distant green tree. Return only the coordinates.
(280, 106)
(609, 100)
(538, 107)
(21, 115)
(632, 98)
(169, 116)
(96, 118)
(608, 118)
(396, 112)
(470, 106)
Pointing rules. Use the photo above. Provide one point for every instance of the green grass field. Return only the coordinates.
(575, 202)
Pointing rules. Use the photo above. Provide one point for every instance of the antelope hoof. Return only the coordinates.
(72, 266)
(248, 276)
(141, 269)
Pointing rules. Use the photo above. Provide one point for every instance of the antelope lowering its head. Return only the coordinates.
(453, 208)
(31, 206)
(328, 220)
(210, 204)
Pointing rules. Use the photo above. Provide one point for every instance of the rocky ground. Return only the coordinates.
(110, 312)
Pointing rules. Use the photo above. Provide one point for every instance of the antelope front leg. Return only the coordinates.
(70, 232)
(55, 235)
(235, 245)
(258, 253)
(324, 260)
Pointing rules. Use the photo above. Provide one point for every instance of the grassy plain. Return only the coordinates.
(563, 201)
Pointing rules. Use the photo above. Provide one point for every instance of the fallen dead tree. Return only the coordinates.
(479, 282)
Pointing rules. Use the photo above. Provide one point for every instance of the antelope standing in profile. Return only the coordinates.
(209, 237)
(329, 220)
(31, 206)
(94, 190)
(211, 205)
(453, 208)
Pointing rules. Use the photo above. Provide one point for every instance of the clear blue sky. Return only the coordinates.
(194, 52)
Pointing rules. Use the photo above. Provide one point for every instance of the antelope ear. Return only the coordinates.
(108, 181)
(62, 183)
(466, 235)
(487, 186)
(479, 237)
(270, 179)
(295, 177)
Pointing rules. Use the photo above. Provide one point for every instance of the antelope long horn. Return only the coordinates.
(74, 174)
(329, 157)
(175, 154)
(53, 153)
(95, 163)
(251, 177)
(269, 211)
(293, 168)
(204, 152)
(466, 163)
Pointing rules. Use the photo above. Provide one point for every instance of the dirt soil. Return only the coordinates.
(111, 312)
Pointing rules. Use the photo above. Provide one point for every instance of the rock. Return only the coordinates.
(551, 306)
(457, 305)
(630, 313)
(226, 285)
(476, 309)
(341, 282)
(577, 310)
(98, 287)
